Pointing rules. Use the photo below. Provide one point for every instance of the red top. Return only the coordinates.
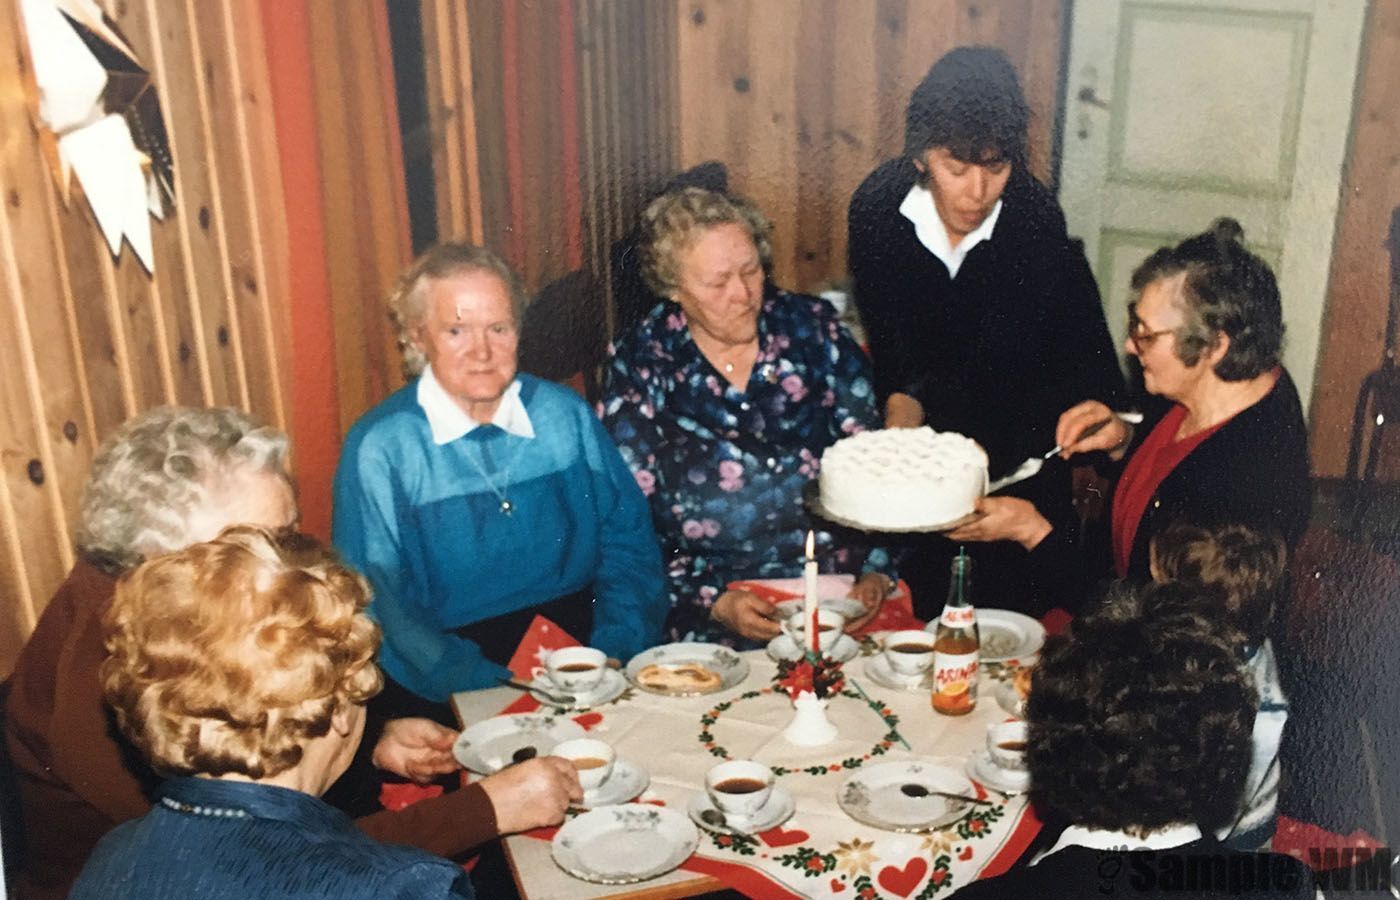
(1154, 460)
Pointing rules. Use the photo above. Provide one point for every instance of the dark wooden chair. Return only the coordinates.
(1374, 457)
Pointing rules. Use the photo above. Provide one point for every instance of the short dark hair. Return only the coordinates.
(1225, 290)
(1243, 564)
(1140, 716)
(971, 103)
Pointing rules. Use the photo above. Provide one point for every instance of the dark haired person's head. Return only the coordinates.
(1217, 302)
(965, 130)
(1140, 717)
(1243, 567)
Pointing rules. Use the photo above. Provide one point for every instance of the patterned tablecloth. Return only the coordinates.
(820, 851)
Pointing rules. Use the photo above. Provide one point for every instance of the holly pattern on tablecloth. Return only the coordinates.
(880, 748)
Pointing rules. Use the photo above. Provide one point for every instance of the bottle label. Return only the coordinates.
(958, 616)
(955, 681)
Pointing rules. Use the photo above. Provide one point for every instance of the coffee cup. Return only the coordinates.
(577, 669)
(909, 652)
(739, 787)
(830, 625)
(1006, 745)
(592, 759)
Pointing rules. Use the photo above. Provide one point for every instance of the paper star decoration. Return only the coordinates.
(99, 118)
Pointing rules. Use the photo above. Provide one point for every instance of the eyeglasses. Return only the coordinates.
(1143, 340)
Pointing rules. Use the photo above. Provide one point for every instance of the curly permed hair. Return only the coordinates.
(1223, 289)
(673, 222)
(1245, 566)
(408, 301)
(227, 656)
(1140, 717)
(971, 103)
(153, 471)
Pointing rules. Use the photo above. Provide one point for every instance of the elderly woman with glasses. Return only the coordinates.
(1228, 446)
(722, 400)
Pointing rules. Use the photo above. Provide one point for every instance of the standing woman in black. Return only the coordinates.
(982, 314)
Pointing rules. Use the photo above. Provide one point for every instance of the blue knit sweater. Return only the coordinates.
(424, 524)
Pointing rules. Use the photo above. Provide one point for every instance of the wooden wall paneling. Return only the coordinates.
(813, 230)
(382, 244)
(195, 226)
(1041, 76)
(164, 315)
(245, 275)
(486, 57)
(1353, 333)
(770, 127)
(32, 520)
(854, 128)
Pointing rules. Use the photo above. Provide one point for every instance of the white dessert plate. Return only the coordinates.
(850, 608)
(624, 844)
(981, 769)
(776, 811)
(1005, 634)
(906, 795)
(878, 670)
(609, 687)
(812, 497)
(783, 647)
(730, 666)
(626, 782)
(492, 744)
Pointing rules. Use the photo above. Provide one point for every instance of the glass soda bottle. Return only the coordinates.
(957, 645)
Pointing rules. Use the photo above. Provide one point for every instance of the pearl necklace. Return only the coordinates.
(194, 809)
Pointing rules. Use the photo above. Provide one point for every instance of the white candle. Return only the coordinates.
(809, 593)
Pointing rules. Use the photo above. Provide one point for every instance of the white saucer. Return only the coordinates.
(608, 688)
(625, 783)
(850, 608)
(492, 744)
(624, 844)
(784, 647)
(776, 811)
(878, 670)
(981, 768)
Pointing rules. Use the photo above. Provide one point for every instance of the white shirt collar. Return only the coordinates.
(918, 207)
(1097, 839)
(448, 421)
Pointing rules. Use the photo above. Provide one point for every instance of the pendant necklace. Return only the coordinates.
(506, 506)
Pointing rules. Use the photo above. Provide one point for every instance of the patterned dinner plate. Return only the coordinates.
(492, 744)
(730, 667)
(906, 795)
(1006, 635)
(624, 844)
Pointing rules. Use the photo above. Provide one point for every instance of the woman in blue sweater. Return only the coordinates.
(476, 497)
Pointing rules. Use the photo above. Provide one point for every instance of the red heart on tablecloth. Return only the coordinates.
(965, 853)
(588, 720)
(903, 881)
(780, 837)
(837, 885)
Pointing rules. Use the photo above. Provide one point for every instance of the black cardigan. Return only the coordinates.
(1252, 471)
(998, 352)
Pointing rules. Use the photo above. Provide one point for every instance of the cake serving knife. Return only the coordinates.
(1032, 466)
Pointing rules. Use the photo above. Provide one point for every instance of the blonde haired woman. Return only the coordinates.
(240, 667)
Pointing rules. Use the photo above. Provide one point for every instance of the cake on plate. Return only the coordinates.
(902, 478)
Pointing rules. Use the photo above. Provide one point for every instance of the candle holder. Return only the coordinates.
(810, 682)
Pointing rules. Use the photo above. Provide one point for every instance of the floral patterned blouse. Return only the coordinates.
(724, 469)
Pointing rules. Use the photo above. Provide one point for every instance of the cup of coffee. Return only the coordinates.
(576, 669)
(830, 625)
(1006, 745)
(593, 759)
(739, 787)
(909, 652)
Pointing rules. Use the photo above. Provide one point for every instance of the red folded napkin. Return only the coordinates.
(1322, 849)
(541, 637)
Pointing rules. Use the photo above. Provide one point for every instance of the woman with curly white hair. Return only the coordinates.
(170, 478)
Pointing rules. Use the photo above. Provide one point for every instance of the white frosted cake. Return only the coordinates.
(902, 478)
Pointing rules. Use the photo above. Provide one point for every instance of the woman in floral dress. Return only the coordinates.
(722, 400)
